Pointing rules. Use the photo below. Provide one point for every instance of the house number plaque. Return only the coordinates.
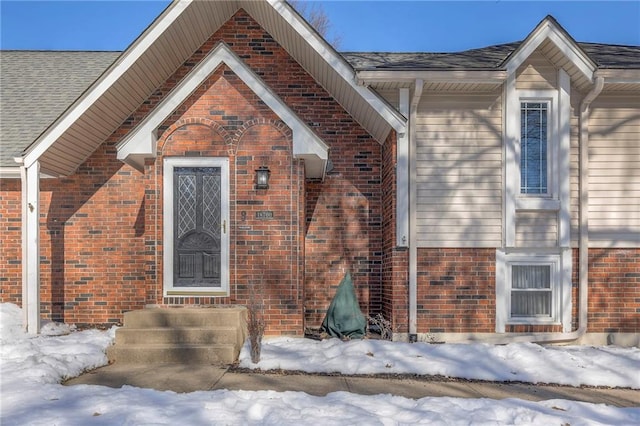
(264, 215)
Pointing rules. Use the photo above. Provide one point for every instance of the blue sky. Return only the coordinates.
(434, 26)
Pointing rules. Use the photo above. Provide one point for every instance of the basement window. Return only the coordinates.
(532, 288)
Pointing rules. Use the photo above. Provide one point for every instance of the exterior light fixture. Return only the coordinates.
(262, 177)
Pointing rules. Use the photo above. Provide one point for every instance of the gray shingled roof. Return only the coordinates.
(36, 87)
(486, 58)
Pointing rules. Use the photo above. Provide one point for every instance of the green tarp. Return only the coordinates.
(344, 318)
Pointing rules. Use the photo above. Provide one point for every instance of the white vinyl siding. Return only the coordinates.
(537, 73)
(459, 170)
(614, 171)
(537, 229)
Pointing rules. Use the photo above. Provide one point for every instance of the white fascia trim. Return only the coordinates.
(105, 82)
(140, 143)
(329, 55)
(10, 172)
(406, 76)
(550, 31)
(613, 76)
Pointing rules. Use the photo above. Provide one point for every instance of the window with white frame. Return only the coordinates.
(531, 288)
(534, 147)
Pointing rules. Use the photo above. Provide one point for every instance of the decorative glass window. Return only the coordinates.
(534, 135)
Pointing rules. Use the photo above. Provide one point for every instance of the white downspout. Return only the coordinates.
(413, 205)
(583, 250)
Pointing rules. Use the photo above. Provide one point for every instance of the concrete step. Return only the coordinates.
(166, 335)
(185, 317)
(180, 335)
(173, 353)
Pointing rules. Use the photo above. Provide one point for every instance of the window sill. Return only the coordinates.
(529, 321)
(537, 204)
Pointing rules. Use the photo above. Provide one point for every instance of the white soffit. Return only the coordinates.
(140, 143)
(549, 30)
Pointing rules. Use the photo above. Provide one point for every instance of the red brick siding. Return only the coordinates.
(395, 261)
(10, 241)
(614, 290)
(456, 290)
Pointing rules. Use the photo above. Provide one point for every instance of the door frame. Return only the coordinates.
(168, 226)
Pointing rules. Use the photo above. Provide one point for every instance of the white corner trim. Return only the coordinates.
(402, 177)
(131, 55)
(548, 30)
(511, 159)
(140, 143)
(564, 158)
(31, 247)
(329, 55)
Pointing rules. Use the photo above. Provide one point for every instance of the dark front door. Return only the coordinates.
(197, 226)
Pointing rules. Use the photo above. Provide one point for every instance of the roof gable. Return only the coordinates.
(140, 143)
(553, 40)
(170, 40)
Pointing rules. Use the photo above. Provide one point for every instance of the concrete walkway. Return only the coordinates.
(190, 378)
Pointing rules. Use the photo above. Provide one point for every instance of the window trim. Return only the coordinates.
(560, 155)
(560, 287)
(549, 97)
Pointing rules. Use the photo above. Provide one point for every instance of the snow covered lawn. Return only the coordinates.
(32, 368)
(522, 362)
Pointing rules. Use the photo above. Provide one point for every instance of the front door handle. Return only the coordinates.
(224, 226)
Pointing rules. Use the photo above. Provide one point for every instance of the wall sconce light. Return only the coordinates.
(262, 177)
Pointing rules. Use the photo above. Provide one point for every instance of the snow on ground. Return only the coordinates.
(31, 369)
(525, 362)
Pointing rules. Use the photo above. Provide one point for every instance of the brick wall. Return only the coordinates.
(456, 290)
(395, 261)
(10, 241)
(102, 235)
(614, 290)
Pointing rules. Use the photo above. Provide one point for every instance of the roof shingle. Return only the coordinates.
(36, 87)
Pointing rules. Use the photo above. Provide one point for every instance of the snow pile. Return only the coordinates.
(55, 355)
(32, 367)
(526, 362)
